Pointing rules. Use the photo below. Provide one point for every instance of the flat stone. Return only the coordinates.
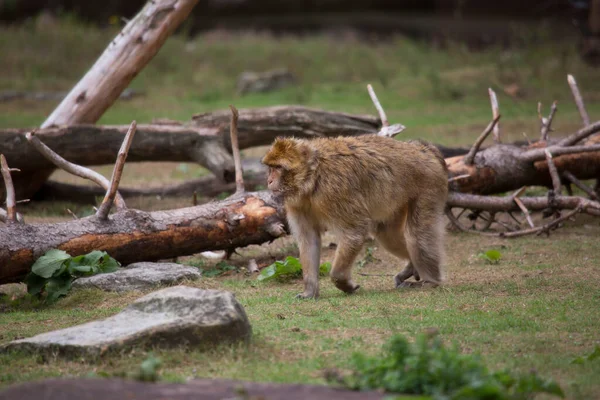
(170, 317)
(139, 276)
(202, 389)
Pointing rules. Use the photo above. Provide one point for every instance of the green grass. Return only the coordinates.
(538, 308)
(439, 94)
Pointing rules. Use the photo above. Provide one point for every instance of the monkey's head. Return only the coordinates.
(290, 163)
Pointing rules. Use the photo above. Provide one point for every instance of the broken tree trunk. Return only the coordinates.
(204, 140)
(126, 55)
(502, 168)
(134, 235)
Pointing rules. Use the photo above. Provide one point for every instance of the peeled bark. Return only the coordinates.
(132, 235)
(502, 168)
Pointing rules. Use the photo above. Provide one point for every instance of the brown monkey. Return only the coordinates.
(353, 186)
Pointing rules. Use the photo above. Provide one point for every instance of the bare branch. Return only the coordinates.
(540, 154)
(527, 138)
(71, 168)
(573, 179)
(525, 211)
(553, 173)
(109, 198)
(506, 203)
(11, 205)
(384, 120)
(495, 113)
(580, 134)
(540, 229)
(546, 123)
(72, 214)
(386, 130)
(233, 130)
(522, 232)
(468, 160)
(578, 100)
(458, 177)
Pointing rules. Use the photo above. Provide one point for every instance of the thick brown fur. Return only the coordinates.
(356, 186)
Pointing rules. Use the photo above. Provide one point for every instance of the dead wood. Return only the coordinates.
(205, 140)
(133, 235)
(126, 55)
(109, 198)
(11, 203)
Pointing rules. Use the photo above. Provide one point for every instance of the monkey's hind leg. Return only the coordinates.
(341, 271)
(425, 244)
(391, 236)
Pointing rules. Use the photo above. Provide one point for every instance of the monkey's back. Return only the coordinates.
(371, 176)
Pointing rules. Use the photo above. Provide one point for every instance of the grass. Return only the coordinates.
(538, 308)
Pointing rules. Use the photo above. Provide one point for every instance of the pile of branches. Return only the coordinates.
(476, 176)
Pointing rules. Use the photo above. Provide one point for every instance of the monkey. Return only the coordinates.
(362, 186)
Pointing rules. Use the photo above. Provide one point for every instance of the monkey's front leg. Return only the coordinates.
(309, 243)
(341, 271)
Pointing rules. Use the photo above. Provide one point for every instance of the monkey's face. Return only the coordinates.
(274, 179)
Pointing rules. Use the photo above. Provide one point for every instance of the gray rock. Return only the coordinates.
(139, 276)
(252, 82)
(170, 317)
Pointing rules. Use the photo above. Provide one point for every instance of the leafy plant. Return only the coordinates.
(290, 267)
(368, 258)
(148, 370)
(427, 367)
(54, 272)
(590, 357)
(219, 269)
(491, 256)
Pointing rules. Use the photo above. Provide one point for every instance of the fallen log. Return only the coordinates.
(132, 235)
(205, 140)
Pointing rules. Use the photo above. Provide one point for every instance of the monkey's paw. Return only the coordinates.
(346, 286)
(307, 295)
(413, 285)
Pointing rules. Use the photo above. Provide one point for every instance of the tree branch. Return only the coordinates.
(71, 168)
(386, 129)
(239, 176)
(580, 134)
(470, 157)
(546, 123)
(495, 114)
(573, 179)
(109, 198)
(578, 100)
(553, 173)
(11, 204)
(540, 154)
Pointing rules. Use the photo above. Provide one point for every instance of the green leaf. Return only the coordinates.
(578, 360)
(595, 354)
(35, 284)
(148, 370)
(290, 266)
(491, 256)
(49, 263)
(109, 264)
(58, 286)
(325, 268)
